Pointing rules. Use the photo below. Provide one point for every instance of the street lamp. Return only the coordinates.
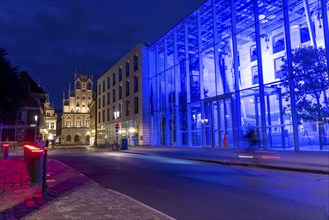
(35, 133)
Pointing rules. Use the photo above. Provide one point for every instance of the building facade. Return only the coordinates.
(50, 124)
(230, 66)
(76, 111)
(120, 100)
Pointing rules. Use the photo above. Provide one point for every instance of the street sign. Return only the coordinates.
(116, 126)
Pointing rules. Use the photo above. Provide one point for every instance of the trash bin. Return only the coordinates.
(36, 165)
(124, 144)
(5, 148)
(34, 161)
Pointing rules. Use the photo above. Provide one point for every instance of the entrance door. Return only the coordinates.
(218, 122)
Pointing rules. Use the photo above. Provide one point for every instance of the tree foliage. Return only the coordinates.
(10, 90)
(309, 75)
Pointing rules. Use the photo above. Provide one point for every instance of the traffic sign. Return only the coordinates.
(116, 126)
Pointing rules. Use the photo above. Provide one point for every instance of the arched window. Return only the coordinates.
(89, 87)
(78, 85)
(76, 139)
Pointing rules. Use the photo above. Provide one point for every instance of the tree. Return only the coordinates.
(10, 90)
(309, 75)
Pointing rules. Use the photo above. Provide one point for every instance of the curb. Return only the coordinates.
(230, 163)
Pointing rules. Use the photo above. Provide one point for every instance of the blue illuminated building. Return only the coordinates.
(232, 65)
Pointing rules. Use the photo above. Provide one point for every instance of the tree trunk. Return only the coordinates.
(320, 124)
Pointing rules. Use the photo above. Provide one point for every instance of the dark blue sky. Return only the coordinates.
(48, 38)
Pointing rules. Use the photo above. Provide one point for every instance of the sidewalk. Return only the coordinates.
(70, 195)
(301, 161)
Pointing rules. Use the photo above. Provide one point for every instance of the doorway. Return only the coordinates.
(218, 122)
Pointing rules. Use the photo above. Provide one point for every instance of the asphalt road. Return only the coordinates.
(196, 190)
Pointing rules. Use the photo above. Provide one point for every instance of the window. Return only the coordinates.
(103, 116)
(120, 92)
(47, 124)
(87, 122)
(108, 98)
(78, 123)
(99, 89)
(99, 117)
(127, 68)
(48, 114)
(68, 123)
(278, 43)
(254, 75)
(103, 86)
(113, 79)
(135, 83)
(127, 88)
(253, 53)
(136, 62)
(103, 100)
(278, 62)
(108, 82)
(113, 112)
(78, 104)
(99, 103)
(89, 86)
(120, 74)
(52, 125)
(135, 105)
(127, 108)
(305, 34)
(113, 93)
(108, 114)
(120, 109)
(78, 85)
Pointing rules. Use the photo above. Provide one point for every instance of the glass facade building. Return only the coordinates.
(232, 65)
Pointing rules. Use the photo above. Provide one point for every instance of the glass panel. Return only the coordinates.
(209, 79)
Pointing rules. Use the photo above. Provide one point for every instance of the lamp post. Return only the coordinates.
(35, 133)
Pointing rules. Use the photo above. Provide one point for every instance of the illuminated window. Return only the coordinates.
(277, 67)
(52, 125)
(278, 43)
(47, 124)
(253, 53)
(48, 114)
(254, 75)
